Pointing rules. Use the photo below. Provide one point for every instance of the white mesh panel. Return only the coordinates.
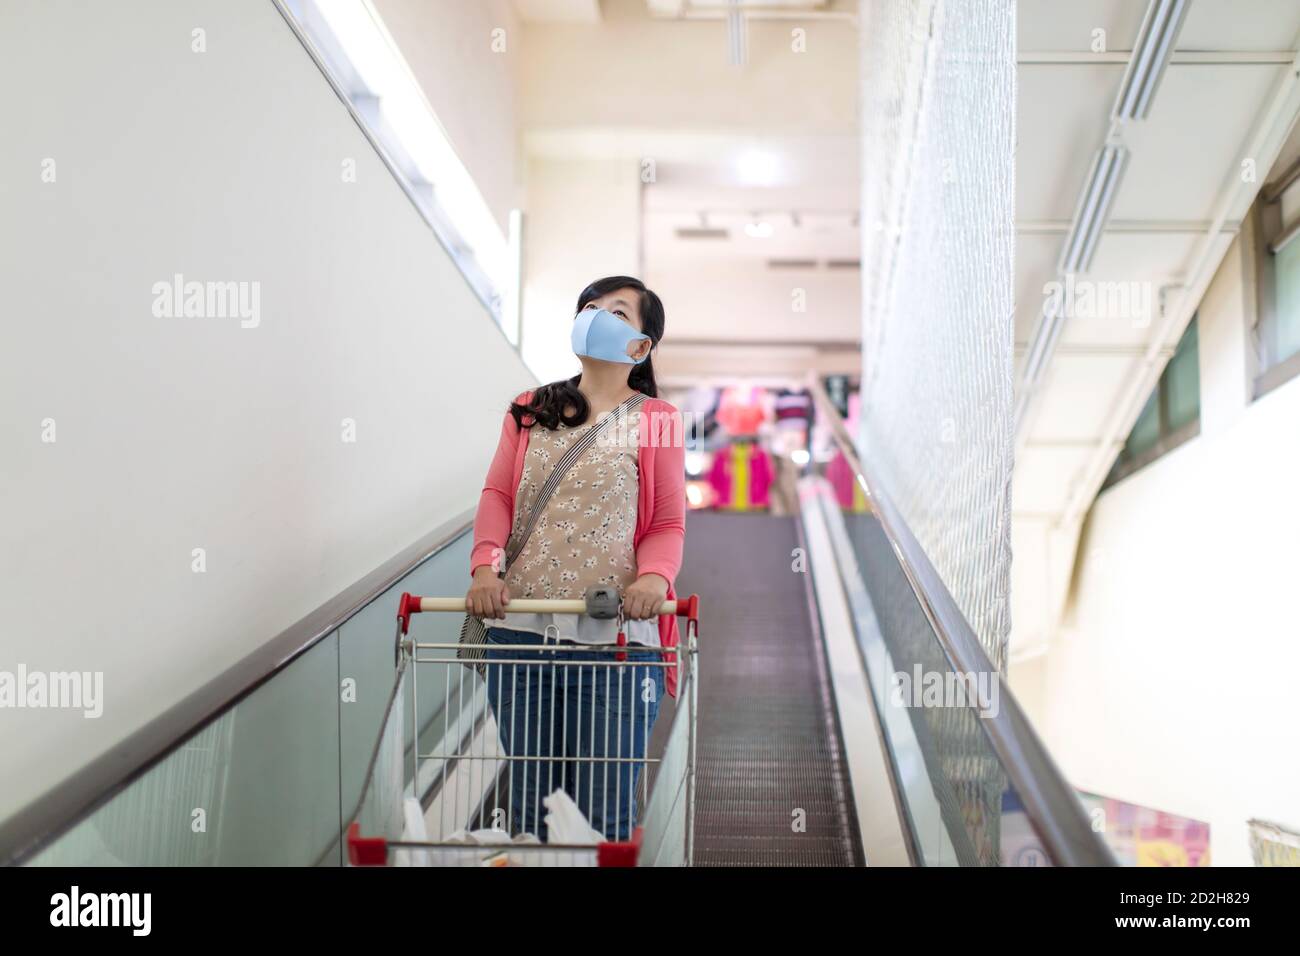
(937, 220)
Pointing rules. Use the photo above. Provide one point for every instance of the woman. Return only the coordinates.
(614, 518)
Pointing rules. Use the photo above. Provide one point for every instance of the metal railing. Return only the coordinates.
(54, 813)
(1050, 803)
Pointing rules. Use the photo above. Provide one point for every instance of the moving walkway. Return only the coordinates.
(811, 750)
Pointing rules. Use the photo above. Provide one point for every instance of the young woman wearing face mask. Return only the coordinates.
(615, 519)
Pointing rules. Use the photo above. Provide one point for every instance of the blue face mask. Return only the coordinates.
(603, 335)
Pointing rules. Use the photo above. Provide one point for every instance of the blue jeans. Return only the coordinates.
(567, 719)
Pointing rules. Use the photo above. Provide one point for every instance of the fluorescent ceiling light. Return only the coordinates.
(1094, 206)
(737, 42)
(1146, 65)
(1040, 350)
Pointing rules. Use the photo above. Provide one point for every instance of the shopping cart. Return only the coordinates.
(482, 790)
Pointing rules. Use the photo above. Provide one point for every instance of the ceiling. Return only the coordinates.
(1164, 234)
(749, 224)
(758, 199)
(558, 11)
(765, 148)
(588, 11)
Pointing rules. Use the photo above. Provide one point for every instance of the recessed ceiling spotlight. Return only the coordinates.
(756, 167)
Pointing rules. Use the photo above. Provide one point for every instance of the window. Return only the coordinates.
(1281, 336)
(1171, 415)
(1277, 330)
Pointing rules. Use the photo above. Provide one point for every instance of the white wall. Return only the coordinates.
(744, 300)
(174, 433)
(1172, 684)
(727, 302)
(584, 223)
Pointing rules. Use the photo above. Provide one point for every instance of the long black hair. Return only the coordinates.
(548, 403)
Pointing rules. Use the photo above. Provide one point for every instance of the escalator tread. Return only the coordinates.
(768, 746)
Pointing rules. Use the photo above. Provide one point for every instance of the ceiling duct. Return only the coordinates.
(736, 34)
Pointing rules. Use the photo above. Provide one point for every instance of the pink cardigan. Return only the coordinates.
(661, 503)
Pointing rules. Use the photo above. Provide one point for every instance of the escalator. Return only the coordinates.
(772, 786)
(805, 756)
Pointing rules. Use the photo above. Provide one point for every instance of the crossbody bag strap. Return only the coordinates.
(561, 469)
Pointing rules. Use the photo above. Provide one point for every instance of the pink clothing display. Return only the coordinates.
(741, 410)
(661, 501)
(741, 476)
(848, 492)
(840, 473)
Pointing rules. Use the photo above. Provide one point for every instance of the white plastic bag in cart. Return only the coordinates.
(413, 831)
(565, 823)
(484, 848)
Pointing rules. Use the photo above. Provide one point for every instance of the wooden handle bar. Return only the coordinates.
(539, 606)
(687, 607)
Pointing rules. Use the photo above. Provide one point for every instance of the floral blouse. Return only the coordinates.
(583, 537)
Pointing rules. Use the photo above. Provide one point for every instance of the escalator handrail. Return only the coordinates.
(43, 820)
(1050, 802)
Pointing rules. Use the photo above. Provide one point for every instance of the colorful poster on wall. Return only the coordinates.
(1272, 844)
(1142, 836)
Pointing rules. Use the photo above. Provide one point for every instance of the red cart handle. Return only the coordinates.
(408, 605)
(619, 852)
(365, 851)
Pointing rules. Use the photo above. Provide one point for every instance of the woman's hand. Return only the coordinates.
(644, 597)
(488, 595)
